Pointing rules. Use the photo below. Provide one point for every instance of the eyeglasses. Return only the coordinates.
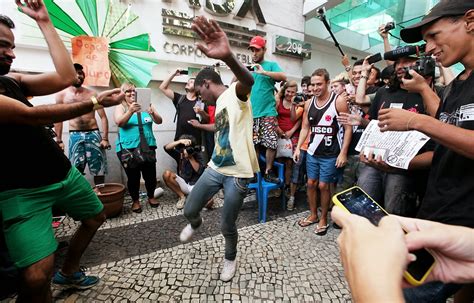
(129, 91)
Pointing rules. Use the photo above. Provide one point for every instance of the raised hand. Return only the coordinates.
(345, 61)
(349, 119)
(111, 97)
(366, 65)
(34, 9)
(216, 45)
(382, 32)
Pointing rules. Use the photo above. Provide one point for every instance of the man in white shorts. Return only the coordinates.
(191, 165)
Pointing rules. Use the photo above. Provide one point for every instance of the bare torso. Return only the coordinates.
(86, 121)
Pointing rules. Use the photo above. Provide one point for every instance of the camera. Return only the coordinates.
(425, 66)
(300, 97)
(389, 26)
(321, 12)
(190, 150)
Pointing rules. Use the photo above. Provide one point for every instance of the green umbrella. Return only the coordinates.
(131, 55)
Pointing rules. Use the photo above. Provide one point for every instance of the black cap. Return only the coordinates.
(444, 8)
(387, 72)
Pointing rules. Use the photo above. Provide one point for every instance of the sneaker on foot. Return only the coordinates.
(228, 270)
(188, 232)
(180, 203)
(77, 280)
(270, 177)
(290, 205)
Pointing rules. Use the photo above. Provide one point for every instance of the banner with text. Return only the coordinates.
(93, 54)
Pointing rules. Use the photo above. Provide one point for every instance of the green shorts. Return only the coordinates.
(27, 215)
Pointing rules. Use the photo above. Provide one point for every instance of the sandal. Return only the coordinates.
(136, 209)
(153, 204)
(305, 222)
(321, 230)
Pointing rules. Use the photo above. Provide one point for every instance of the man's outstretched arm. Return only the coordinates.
(216, 46)
(14, 112)
(65, 75)
(164, 86)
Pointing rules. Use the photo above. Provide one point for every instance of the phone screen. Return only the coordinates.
(358, 202)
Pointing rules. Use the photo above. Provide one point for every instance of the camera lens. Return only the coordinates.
(389, 26)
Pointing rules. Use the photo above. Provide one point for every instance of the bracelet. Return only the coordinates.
(364, 77)
(96, 103)
(408, 123)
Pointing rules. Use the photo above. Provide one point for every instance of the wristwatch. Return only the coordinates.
(96, 103)
(348, 68)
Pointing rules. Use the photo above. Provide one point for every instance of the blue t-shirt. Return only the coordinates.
(129, 134)
(262, 95)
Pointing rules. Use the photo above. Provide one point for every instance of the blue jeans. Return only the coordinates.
(205, 188)
(433, 292)
(396, 192)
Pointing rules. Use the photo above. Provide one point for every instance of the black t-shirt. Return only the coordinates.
(449, 196)
(185, 168)
(30, 157)
(185, 110)
(395, 98)
(372, 89)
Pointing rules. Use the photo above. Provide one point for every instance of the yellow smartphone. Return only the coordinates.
(355, 201)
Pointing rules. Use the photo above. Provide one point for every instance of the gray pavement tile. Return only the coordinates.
(297, 267)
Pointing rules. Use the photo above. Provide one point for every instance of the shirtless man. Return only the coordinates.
(86, 146)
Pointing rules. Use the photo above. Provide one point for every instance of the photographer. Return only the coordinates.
(448, 32)
(191, 165)
(397, 189)
(186, 106)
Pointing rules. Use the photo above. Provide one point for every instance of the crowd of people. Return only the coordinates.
(220, 131)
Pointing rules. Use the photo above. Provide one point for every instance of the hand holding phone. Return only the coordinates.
(355, 201)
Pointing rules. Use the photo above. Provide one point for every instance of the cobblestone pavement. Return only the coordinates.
(140, 259)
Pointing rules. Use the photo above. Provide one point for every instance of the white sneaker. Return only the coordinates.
(290, 205)
(180, 203)
(186, 233)
(228, 270)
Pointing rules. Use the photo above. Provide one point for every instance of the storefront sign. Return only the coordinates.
(225, 8)
(190, 50)
(179, 24)
(292, 47)
(182, 49)
(93, 54)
